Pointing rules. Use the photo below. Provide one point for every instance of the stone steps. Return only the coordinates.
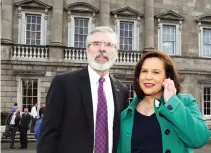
(30, 136)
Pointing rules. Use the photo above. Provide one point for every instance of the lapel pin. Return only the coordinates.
(157, 103)
(116, 88)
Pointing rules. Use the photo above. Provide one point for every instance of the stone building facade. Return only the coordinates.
(41, 38)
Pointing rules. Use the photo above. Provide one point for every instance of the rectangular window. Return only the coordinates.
(81, 32)
(206, 42)
(169, 39)
(126, 35)
(207, 100)
(33, 29)
(130, 88)
(29, 92)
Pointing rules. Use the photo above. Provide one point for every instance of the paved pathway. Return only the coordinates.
(32, 149)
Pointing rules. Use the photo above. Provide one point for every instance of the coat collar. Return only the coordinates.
(132, 106)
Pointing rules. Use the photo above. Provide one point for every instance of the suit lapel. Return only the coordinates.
(87, 97)
(116, 95)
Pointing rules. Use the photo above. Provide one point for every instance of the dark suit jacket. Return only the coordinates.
(25, 120)
(9, 118)
(68, 119)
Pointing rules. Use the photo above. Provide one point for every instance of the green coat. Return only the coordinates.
(180, 115)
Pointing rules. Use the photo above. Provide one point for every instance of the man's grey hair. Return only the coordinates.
(101, 29)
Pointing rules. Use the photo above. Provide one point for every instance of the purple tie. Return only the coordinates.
(101, 130)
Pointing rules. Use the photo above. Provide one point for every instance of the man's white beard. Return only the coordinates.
(101, 67)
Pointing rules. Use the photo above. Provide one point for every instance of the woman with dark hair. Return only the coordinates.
(160, 119)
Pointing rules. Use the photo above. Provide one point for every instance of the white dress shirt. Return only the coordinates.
(94, 81)
(34, 112)
(12, 121)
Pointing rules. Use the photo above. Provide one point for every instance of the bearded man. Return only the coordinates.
(83, 107)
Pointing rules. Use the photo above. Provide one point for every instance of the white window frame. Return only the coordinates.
(22, 27)
(200, 41)
(178, 38)
(19, 90)
(136, 32)
(129, 90)
(204, 116)
(71, 28)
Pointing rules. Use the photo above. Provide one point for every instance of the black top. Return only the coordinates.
(146, 134)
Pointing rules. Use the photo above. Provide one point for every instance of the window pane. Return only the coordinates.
(29, 94)
(33, 34)
(76, 38)
(130, 27)
(27, 34)
(81, 44)
(130, 34)
(37, 42)
(169, 33)
(33, 24)
(126, 35)
(38, 20)
(76, 44)
(168, 47)
(85, 30)
(33, 27)
(126, 26)
(28, 41)
(28, 19)
(121, 47)
(38, 27)
(206, 42)
(207, 101)
(130, 88)
(81, 38)
(32, 42)
(169, 39)
(81, 31)
(76, 30)
(28, 26)
(38, 35)
(121, 33)
(86, 23)
(33, 19)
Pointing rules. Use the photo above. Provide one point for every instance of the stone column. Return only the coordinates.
(149, 25)
(105, 12)
(7, 16)
(57, 22)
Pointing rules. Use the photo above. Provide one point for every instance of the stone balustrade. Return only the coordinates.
(28, 52)
(66, 54)
(79, 54)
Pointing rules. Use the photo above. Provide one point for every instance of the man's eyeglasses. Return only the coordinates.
(99, 43)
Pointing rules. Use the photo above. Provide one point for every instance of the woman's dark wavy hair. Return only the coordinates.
(169, 69)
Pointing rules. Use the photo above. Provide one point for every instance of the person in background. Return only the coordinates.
(24, 126)
(34, 117)
(160, 119)
(13, 109)
(12, 123)
(39, 122)
(42, 106)
(83, 107)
